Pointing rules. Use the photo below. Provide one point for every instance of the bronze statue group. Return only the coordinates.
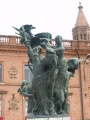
(48, 93)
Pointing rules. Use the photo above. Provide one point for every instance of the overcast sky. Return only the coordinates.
(54, 16)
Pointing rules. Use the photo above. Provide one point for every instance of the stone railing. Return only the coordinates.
(75, 44)
(68, 44)
(9, 40)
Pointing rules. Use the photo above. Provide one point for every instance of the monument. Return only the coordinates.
(48, 93)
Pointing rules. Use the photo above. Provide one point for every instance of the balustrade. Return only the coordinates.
(67, 44)
(9, 40)
(4, 39)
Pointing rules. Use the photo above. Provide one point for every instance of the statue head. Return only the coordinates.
(51, 56)
(24, 83)
(73, 64)
(27, 28)
(87, 57)
(36, 57)
(50, 51)
(58, 40)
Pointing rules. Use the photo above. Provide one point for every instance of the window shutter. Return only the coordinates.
(28, 73)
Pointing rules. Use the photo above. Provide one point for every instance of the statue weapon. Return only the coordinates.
(20, 32)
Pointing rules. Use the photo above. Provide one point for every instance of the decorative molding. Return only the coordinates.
(12, 84)
(3, 92)
(13, 103)
(13, 73)
(70, 94)
(14, 51)
(74, 86)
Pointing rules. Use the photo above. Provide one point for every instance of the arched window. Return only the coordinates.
(84, 36)
(74, 37)
(81, 37)
(77, 37)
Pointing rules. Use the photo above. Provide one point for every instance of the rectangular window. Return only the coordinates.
(28, 73)
(0, 73)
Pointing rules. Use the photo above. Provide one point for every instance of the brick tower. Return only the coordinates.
(81, 31)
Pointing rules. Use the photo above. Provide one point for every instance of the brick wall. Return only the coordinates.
(79, 88)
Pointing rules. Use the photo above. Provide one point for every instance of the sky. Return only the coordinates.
(57, 17)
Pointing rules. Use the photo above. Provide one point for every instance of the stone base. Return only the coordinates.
(59, 117)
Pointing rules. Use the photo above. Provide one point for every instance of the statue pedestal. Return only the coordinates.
(59, 117)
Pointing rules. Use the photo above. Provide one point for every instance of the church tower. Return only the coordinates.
(81, 31)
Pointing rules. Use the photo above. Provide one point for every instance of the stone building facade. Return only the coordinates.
(13, 65)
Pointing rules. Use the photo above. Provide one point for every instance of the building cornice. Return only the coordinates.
(12, 44)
